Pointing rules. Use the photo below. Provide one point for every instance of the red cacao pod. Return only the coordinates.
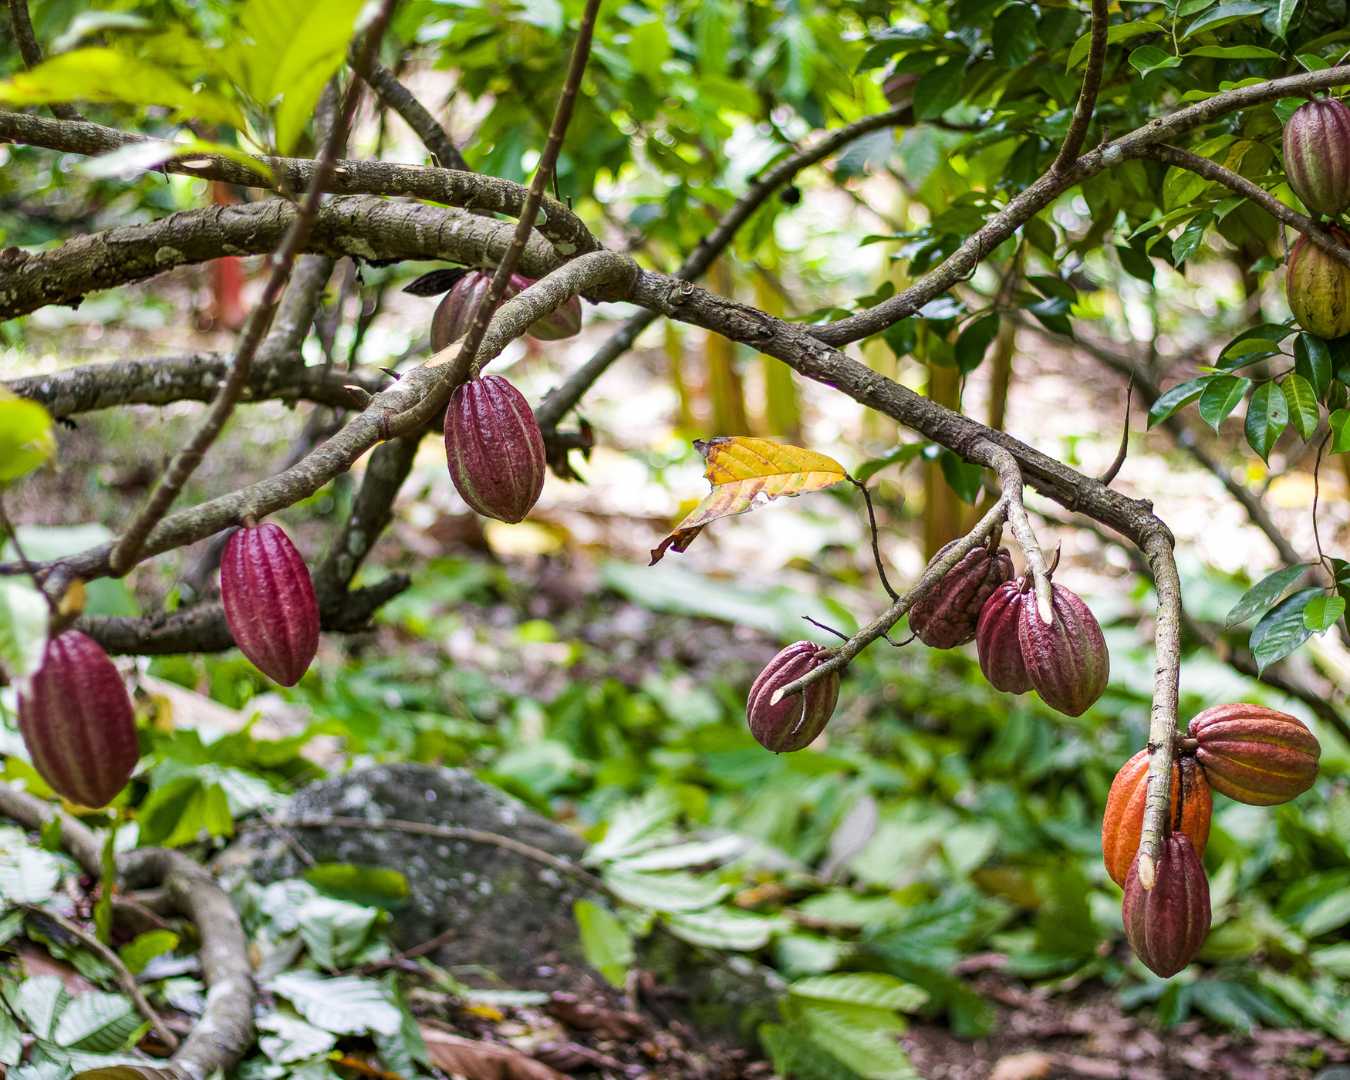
(948, 615)
(1123, 822)
(1317, 155)
(1167, 924)
(1318, 287)
(494, 448)
(1254, 754)
(1066, 658)
(997, 639)
(269, 602)
(77, 721)
(796, 720)
(455, 311)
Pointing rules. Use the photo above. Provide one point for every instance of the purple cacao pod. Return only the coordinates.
(455, 311)
(797, 719)
(1167, 924)
(1317, 155)
(269, 602)
(1066, 658)
(997, 640)
(77, 721)
(1318, 287)
(494, 448)
(1254, 754)
(948, 615)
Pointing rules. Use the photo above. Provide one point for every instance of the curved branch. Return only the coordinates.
(31, 51)
(1010, 484)
(961, 263)
(563, 398)
(1087, 97)
(425, 126)
(470, 191)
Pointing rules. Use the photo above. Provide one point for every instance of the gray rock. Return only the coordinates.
(504, 912)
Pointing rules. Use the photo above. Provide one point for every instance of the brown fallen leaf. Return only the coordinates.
(478, 1060)
(1031, 1065)
(586, 1016)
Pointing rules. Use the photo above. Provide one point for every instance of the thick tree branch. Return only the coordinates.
(425, 126)
(296, 312)
(563, 398)
(470, 191)
(1087, 97)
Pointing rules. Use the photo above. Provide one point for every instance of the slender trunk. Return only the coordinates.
(724, 382)
(782, 413)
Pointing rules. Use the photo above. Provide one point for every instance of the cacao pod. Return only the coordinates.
(797, 719)
(1167, 924)
(997, 640)
(898, 88)
(947, 616)
(269, 602)
(1254, 754)
(1318, 287)
(1066, 659)
(77, 721)
(494, 448)
(1123, 822)
(1317, 155)
(455, 311)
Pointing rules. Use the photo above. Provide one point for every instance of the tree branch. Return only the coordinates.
(425, 126)
(1087, 97)
(31, 51)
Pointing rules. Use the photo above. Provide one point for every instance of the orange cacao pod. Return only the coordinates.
(1123, 822)
(269, 602)
(1167, 924)
(1254, 754)
(77, 721)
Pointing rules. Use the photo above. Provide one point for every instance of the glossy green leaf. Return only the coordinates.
(1220, 397)
(1267, 417)
(1169, 401)
(605, 940)
(1282, 629)
(27, 441)
(1263, 595)
(1312, 360)
(1322, 612)
(1301, 400)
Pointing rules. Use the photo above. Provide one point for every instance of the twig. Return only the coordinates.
(1087, 97)
(128, 547)
(31, 51)
(1010, 484)
(1317, 494)
(425, 126)
(1114, 468)
(124, 978)
(878, 627)
(876, 546)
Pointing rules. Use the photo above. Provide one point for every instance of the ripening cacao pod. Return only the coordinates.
(77, 721)
(947, 616)
(269, 602)
(494, 448)
(1066, 658)
(1254, 754)
(455, 311)
(1167, 924)
(797, 719)
(898, 88)
(1318, 287)
(997, 639)
(1123, 822)
(1317, 155)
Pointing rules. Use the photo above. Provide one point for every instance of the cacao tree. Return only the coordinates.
(1032, 153)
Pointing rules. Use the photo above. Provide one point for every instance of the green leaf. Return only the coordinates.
(1312, 360)
(1302, 401)
(864, 1039)
(286, 1038)
(964, 478)
(693, 853)
(876, 989)
(1235, 52)
(145, 947)
(11, 1039)
(23, 627)
(371, 886)
(334, 931)
(1284, 16)
(27, 440)
(97, 1022)
(636, 826)
(1221, 397)
(182, 810)
(37, 1002)
(1340, 431)
(1282, 630)
(796, 1055)
(1014, 36)
(1179, 396)
(1262, 596)
(1317, 903)
(605, 940)
(28, 875)
(1124, 31)
(1149, 58)
(345, 1006)
(1322, 612)
(1267, 417)
(902, 454)
(725, 928)
(107, 76)
(938, 90)
(1185, 245)
(1223, 15)
(664, 892)
(974, 341)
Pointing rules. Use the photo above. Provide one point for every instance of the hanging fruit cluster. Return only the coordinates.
(1317, 165)
(1247, 752)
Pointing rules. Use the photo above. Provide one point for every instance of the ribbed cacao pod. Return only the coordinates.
(997, 639)
(1123, 822)
(455, 311)
(1317, 155)
(1254, 754)
(1066, 658)
(948, 615)
(494, 448)
(1167, 924)
(269, 602)
(1318, 288)
(797, 719)
(77, 721)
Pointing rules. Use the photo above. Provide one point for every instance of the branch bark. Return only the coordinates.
(1087, 97)
(31, 51)
(425, 126)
